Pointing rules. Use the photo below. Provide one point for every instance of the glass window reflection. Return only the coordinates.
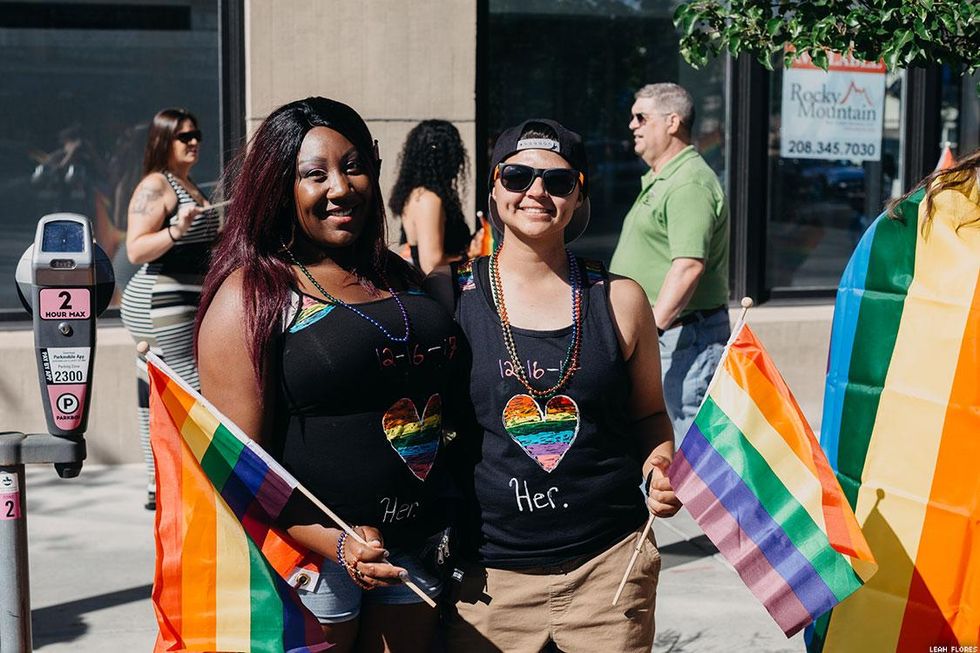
(580, 61)
(79, 82)
(819, 208)
(960, 111)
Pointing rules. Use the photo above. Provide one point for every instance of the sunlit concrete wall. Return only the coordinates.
(396, 63)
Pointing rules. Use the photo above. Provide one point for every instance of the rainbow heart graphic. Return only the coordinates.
(415, 440)
(544, 437)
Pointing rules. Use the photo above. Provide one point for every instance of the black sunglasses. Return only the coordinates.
(559, 182)
(187, 137)
(641, 118)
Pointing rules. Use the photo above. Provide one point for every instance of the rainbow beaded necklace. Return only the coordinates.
(401, 307)
(570, 364)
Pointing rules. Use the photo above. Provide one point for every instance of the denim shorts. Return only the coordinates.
(336, 598)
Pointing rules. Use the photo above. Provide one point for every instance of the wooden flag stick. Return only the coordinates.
(143, 348)
(352, 533)
(636, 553)
(746, 305)
(220, 204)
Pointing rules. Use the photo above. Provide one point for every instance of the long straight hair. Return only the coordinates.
(262, 218)
(159, 140)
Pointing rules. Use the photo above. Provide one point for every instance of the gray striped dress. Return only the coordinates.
(160, 303)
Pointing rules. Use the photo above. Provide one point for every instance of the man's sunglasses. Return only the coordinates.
(187, 137)
(559, 182)
(641, 118)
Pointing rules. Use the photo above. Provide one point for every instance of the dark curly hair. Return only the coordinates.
(433, 158)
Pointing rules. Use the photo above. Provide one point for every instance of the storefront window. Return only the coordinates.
(960, 112)
(579, 62)
(79, 82)
(834, 160)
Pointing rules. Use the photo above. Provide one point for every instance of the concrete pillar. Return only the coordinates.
(395, 62)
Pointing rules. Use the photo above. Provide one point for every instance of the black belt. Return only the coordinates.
(692, 317)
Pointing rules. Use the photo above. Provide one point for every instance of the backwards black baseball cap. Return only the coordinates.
(566, 144)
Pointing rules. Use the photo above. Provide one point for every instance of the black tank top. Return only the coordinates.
(191, 253)
(365, 414)
(559, 478)
(455, 241)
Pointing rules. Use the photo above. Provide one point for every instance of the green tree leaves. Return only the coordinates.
(903, 33)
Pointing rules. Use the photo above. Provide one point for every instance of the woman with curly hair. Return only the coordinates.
(432, 167)
(317, 342)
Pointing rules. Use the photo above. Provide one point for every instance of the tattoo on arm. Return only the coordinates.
(145, 198)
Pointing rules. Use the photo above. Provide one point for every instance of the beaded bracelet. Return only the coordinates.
(354, 574)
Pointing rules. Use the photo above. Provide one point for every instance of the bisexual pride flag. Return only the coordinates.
(901, 426)
(751, 473)
(224, 572)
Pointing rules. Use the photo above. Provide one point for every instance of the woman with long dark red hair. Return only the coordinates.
(315, 340)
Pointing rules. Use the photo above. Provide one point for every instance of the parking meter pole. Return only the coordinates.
(16, 451)
(15, 598)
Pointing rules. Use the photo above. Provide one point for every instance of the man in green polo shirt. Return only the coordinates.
(675, 244)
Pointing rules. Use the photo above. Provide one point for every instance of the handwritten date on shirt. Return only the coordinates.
(533, 369)
(414, 355)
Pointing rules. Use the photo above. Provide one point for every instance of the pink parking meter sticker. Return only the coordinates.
(66, 304)
(9, 506)
(66, 404)
(9, 496)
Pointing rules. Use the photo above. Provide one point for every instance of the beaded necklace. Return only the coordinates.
(354, 309)
(570, 364)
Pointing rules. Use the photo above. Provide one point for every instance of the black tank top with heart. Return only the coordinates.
(552, 479)
(362, 416)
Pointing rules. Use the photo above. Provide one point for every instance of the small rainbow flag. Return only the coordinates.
(901, 427)
(752, 474)
(223, 571)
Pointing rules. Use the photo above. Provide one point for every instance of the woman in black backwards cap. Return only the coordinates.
(569, 411)
(317, 342)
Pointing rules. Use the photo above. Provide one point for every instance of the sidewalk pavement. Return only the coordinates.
(91, 565)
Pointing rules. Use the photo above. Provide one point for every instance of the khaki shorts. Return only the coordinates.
(570, 605)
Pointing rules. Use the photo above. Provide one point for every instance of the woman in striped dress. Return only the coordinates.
(170, 232)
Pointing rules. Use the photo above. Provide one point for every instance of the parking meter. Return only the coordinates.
(66, 281)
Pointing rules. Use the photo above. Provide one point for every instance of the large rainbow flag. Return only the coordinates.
(752, 474)
(901, 427)
(223, 572)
